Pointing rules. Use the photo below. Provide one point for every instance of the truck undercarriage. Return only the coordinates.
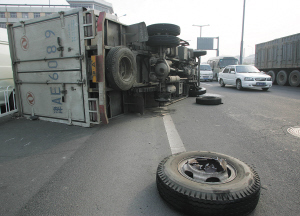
(119, 68)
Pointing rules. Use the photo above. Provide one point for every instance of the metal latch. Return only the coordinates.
(62, 19)
(64, 92)
(23, 26)
(60, 47)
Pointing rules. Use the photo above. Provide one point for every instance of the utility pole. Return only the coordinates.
(242, 41)
(199, 58)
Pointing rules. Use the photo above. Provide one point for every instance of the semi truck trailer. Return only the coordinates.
(280, 58)
(83, 67)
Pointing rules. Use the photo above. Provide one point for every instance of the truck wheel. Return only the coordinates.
(294, 78)
(163, 29)
(273, 75)
(207, 183)
(121, 68)
(282, 78)
(163, 40)
(208, 100)
(195, 91)
(222, 84)
(239, 85)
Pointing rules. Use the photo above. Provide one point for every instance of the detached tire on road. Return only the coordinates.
(121, 68)
(208, 100)
(196, 183)
(195, 92)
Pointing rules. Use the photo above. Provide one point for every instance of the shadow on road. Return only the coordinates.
(21, 137)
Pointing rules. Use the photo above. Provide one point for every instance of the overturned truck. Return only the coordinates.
(83, 67)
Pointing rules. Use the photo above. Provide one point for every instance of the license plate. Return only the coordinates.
(260, 84)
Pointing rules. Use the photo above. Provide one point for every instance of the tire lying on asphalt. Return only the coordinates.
(194, 92)
(208, 100)
(121, 68)
(207, 183)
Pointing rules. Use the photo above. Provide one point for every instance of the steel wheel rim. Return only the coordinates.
(281, 77)
(207, 170)
(294, 79)
(239, 84)
(125, 69)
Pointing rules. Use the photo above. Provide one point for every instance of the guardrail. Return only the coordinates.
(9, 106)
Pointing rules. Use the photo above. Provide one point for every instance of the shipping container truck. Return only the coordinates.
(83, 67)
(280, 58)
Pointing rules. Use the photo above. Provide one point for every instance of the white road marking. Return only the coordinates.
(206, 84)
(175, 141)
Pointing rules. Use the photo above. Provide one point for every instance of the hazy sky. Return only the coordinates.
(264, 19)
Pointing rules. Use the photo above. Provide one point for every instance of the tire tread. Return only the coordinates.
(201, 203)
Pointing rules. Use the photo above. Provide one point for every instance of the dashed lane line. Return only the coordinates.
(175, 141)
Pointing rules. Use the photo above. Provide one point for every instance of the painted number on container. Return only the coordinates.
(51, 49)
(56, 96)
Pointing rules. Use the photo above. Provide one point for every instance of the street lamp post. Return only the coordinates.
(242, 41)
(199, 58)
(201, 28)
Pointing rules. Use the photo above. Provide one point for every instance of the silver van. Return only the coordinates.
(206, 73)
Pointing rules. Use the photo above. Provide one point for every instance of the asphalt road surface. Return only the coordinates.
(55, 169)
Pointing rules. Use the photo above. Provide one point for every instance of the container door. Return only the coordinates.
(49, 67)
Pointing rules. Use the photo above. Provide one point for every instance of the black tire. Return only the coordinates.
(196, 91)
(282, 78)
(120, 68)
(273, 75)
(198, 53)
(163, 40)
(222, 84)
(239, 84)
(163, 29)
(208, 100)
(294, 78)
(237, 195)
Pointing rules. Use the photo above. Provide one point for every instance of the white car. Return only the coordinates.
(6, 74)
(244, 76)
(206, 73)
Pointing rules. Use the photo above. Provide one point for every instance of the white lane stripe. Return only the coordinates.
(175, 141)
(206, 84)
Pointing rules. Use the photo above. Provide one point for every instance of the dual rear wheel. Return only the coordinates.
(163, 34)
